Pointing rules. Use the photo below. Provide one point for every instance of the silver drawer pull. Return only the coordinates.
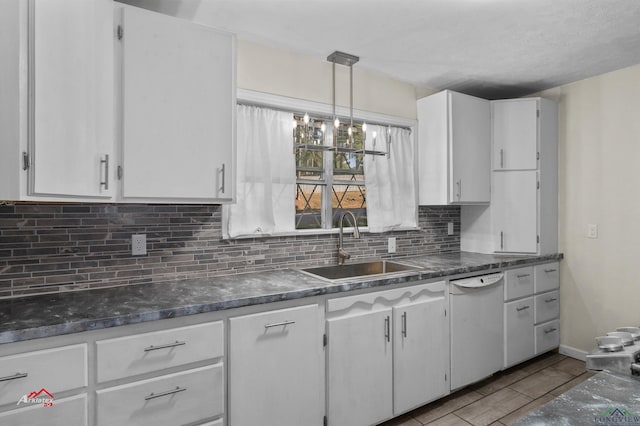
(523, 308)
(105, 162)
(168, 345)
(167, 393)
(279, 324)
(550, 270)
(553, 299)
(550, 330)
(14, 377)
(523, 275)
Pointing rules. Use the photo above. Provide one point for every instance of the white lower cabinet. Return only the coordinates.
(420, 328)
(360, 376)
(173, 399)
(518, 331)
(547, 336)
(276, 368)
(64, 412)
(531, 325)
(56, 370)
(387, 352)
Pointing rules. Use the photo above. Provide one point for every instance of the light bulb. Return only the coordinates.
(364, 127)
(375, 134)
(294, 123)
(323, 127)
(336, 123)
(349, 131)
(306, 118)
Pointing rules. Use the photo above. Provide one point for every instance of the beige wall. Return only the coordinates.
(599, 183)
(281, 72)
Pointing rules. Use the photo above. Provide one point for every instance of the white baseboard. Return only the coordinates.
(573, 352)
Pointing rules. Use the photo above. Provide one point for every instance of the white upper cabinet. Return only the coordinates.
(59, 83)
(515, 134)
(104, 103)
(524, 204)
(178, 101)
(454, 148)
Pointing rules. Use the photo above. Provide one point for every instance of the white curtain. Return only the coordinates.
(390, 181)
(266, 179)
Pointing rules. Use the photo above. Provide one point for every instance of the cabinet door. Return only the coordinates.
(360, 368)
(515, 211)
(470, 149)
(276, 375)
(179, 104)
(71, 88)
(515, 134)
(518, 335)
(421, 353)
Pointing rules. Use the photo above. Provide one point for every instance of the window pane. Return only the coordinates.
(349, 197)
(308, 206)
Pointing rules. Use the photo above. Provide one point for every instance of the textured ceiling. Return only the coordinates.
(489, 48)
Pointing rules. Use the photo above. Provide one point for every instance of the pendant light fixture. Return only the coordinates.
(348, 60)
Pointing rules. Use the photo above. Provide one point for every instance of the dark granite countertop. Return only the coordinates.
(71, 312)
(604, 399)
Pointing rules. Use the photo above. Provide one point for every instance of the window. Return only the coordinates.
(329, 176)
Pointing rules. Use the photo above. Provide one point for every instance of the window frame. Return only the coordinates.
(300, 106)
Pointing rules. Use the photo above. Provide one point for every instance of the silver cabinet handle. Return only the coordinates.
(166, 346)
(105, 182)
(522, 308)
(223, 171)
(501, 158)
(279, 324)
(550, 330)
(387, 328)
(25, 160)
(549, 270)
(14, 377)
(501, 240)
(553, 299)
(404, 324)
(166, 393)
(523, 275)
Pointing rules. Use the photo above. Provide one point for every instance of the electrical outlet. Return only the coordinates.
(391, 245)
(139, 244)
(592, 230)
(450, 228)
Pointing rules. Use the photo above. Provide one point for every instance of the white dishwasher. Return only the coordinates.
(477, 328)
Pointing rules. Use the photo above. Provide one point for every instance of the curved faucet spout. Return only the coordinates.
(342, 253)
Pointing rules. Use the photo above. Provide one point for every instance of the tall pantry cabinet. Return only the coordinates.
(524, 202)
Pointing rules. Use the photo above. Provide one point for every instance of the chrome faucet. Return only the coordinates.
(342, 253)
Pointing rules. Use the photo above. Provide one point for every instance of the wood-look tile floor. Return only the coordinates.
(503, 398)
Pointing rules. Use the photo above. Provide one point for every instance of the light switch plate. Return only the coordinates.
(391, 245)
(592, 230)
(450, 228)
(139, 244)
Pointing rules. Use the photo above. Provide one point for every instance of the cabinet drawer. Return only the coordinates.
(56, 370)
(64, 412)
(518, 283)
(547, 306)
(547, 336)
(547, 277)
(144, 353)
(518, 335)
(170, 400)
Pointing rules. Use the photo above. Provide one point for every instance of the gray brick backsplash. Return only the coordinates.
(52, 247)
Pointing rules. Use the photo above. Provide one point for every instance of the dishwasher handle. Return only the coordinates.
(478, 282)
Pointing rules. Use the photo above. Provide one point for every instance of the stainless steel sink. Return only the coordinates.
(358, 270)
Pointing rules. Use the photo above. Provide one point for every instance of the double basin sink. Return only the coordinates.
(354, 271)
